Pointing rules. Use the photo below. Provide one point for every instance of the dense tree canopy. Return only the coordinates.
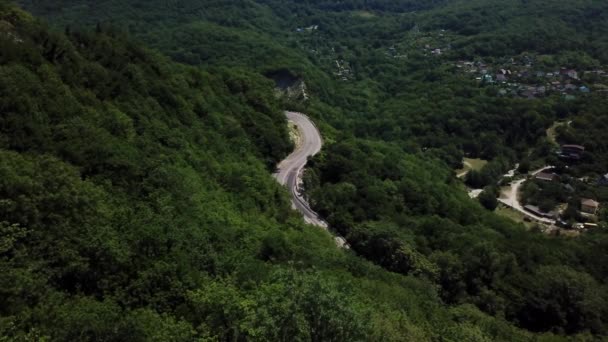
(136, 191)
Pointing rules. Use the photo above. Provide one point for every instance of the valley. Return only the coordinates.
(159, 180)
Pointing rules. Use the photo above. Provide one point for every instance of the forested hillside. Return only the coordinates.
(499, 28)
(153, 177)
(138, 205)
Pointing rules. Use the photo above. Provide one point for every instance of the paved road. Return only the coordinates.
(289, 171)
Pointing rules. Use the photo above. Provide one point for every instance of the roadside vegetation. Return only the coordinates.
(138, 190)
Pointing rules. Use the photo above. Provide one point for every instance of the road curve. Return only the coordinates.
(289, 171)
(511, 198)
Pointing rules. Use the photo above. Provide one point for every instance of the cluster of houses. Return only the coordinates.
(344, 71)
(521, 80)
(429, 44)
(588, 207)
(435, 43)
(536, 211)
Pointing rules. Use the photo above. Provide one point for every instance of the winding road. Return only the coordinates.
(289, 171)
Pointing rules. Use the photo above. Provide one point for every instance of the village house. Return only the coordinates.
(536, 211)
(570, 73)
(556, 85)
(572, 148)
(541, 90)
(525, 83)
(570, 151)
(546, 176)
(589, 206)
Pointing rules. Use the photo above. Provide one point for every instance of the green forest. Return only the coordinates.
(138, 141)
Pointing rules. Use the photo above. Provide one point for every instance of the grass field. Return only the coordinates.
(471, 164)
(513, 215)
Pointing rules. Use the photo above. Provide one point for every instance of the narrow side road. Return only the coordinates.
(289, 171)
(510, 197)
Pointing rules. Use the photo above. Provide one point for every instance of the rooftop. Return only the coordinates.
(578, 147)
(589, 202)
(545, 176)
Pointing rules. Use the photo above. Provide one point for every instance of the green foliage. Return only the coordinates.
(487, 198)
(502, 28)
(561, 297)
(137, 205)
(488, 175)
(406, 214)
(161, 214)
(290, 306)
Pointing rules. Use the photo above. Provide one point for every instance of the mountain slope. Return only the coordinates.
(396, 118)
(137, 204)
